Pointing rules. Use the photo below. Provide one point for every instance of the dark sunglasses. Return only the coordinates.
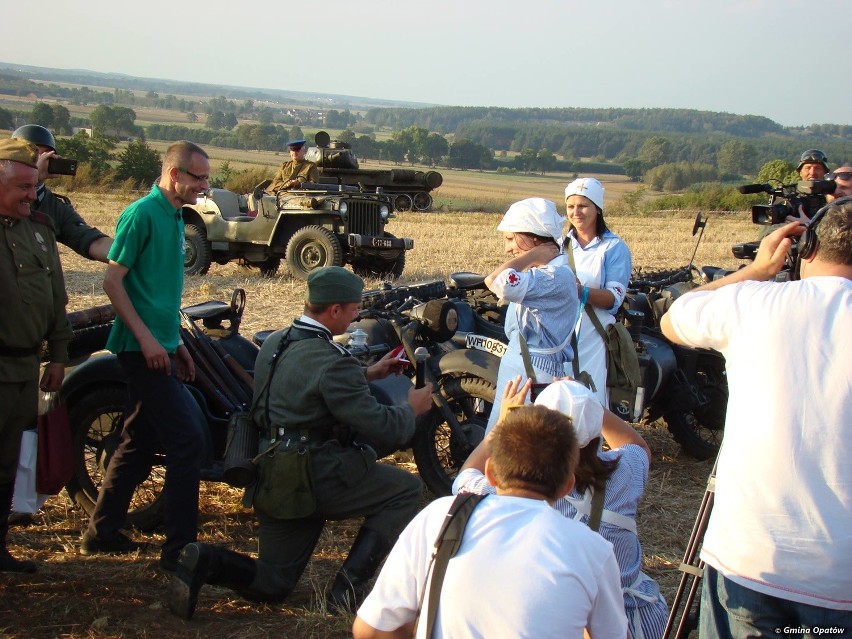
(200, 178)
(842, 175)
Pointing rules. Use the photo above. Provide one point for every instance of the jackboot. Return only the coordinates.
(350, 584)
(7, 562)
(201, 564)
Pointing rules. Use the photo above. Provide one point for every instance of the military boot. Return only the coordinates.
(200, 564)
(7, 562)
(350, 584)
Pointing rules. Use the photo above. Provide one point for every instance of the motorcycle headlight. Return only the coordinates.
(343, 208)
(440, 319)
(384, 211)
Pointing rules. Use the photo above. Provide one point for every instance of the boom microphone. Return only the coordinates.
(747, 189)
(421, 354)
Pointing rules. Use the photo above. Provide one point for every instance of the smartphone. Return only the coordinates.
(399, 354)
(62, 166)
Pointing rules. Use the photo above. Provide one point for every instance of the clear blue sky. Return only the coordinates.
(784, 59)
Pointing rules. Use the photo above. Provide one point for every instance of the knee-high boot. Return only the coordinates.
(350, 584)
(200, 564)
(7, 562)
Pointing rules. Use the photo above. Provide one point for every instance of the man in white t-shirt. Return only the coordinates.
(522, 570)
(778, 546)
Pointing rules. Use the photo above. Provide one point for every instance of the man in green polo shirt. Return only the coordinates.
(144, 281)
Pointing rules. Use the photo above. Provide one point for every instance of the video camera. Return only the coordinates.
(786, 199)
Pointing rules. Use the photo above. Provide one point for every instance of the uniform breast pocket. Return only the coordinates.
(34, 280)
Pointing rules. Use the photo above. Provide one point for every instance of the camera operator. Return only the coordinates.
(778, 546)
(842, 176)
(71, 229)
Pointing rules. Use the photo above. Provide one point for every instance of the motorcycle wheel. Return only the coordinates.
(700, 430)
(437, 452)
(97, 419)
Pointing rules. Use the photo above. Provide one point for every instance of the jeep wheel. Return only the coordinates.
(402, 202)
(312, 247)
(197, 252)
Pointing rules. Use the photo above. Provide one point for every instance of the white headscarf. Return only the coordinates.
(579, 403)
(533, 215)
(587, 187)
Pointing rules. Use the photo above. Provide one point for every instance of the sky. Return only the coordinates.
(775, 58)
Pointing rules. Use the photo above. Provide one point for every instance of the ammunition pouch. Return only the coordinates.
(285, 483)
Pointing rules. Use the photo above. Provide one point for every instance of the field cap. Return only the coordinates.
(334, 285)
(579, 403)
(299, 142)
(587, 187)
(18, 151)
(533, 215)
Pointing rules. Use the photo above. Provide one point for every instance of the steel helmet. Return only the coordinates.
(813, 156)
(36, 134)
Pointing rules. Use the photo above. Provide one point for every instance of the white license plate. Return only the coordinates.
(487, 344)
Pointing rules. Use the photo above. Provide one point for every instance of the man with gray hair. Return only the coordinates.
(34, 298)
(144, 281)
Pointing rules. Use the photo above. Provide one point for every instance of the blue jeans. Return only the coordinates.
(729, 610)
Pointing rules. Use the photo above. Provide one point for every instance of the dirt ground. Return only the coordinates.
(77, 597)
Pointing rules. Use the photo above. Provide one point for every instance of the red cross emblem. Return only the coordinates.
(513, 279)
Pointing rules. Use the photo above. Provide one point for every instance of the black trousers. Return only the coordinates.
(165, 423)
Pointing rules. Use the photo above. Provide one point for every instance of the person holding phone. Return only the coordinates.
(71, 229)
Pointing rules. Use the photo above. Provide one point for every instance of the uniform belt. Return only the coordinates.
(311, 436)
(14, 351)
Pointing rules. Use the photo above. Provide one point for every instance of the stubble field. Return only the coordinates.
(99, 597)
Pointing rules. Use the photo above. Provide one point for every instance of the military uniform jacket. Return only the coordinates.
(305, 171)
(71, 230)
(318, 386)
(34, 298)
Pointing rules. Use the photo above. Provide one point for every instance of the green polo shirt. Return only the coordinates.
(149, 243)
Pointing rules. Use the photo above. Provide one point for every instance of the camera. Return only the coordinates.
(62, 166)
(786, 199)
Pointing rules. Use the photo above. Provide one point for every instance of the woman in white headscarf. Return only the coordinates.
(603, 264)
(539, 286)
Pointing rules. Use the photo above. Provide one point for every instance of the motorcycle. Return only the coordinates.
(686, 387)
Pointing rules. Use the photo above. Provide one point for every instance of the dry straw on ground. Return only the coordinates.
(75, 597)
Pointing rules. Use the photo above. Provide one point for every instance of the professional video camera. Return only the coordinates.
(786, 199)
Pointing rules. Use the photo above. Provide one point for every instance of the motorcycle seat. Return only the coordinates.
(467, 281)
(208, 310)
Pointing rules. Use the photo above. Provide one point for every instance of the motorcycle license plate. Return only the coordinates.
(487, 344)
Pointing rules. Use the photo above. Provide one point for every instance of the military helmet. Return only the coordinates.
(813, 156)
(36, 134)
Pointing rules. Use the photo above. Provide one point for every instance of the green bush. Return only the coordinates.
(245, 181)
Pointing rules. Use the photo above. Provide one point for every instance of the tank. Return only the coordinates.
(337, 164)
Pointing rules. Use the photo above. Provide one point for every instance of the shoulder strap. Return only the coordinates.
(276, 357)
(446, 546)
(597, 508)
(589, 311)
(525, 355)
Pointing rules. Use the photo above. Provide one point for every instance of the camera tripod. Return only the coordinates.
(692, 568)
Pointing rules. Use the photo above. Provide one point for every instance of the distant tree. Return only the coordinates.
(676, 176)
(735, 157)
(192, 116)
(96, 151)
(545, 160)
(6, 119)
(655, 151)
(41, 114)
(435, 147)
(366, 147)
(230, 120)
(138, 162)
(777, 172)
(295, 133)
(632, 168)
(216, 120)
(526, 159)
(113, 120)
(264, 115)
(465, 154)
(224, 174)
(61, 119)
(392, 151)
(347, 136)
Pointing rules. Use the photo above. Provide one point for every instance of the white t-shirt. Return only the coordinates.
(782, 516)
(523, 570)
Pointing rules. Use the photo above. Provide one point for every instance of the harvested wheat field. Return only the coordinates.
(72, 596)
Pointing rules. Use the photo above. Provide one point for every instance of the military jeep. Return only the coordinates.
(314, 226)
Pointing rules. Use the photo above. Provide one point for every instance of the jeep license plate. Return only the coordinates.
(381, 242)
(487, 344)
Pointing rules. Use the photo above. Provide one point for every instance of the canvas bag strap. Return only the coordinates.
(446, 546)
(276, 357)
(525, 355)
(597, 508)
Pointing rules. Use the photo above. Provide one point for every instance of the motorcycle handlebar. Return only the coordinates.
(683, 275)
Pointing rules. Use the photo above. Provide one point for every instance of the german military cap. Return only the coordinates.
(334, 285)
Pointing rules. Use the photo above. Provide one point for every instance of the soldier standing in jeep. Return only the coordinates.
(296, 172)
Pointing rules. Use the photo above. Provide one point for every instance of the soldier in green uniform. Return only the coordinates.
(34, 298)
(318, 399)
(71, 229)
(296, 172)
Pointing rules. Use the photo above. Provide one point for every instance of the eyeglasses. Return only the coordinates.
(200, 178)
(841, 175)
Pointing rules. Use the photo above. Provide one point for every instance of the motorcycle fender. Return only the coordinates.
(479, 363)
(96, 372)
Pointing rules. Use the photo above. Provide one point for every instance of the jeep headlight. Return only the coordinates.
(384, 211)
(343, 208)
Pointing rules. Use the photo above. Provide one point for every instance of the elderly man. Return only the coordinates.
(813, 165)
(778, 546)
(316, 404)
(296, 171)
(71, 229)
(144, 281)
(34, 299)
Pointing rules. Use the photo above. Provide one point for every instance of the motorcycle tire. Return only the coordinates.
(438, 454)
(700, 430)
(96, 421)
